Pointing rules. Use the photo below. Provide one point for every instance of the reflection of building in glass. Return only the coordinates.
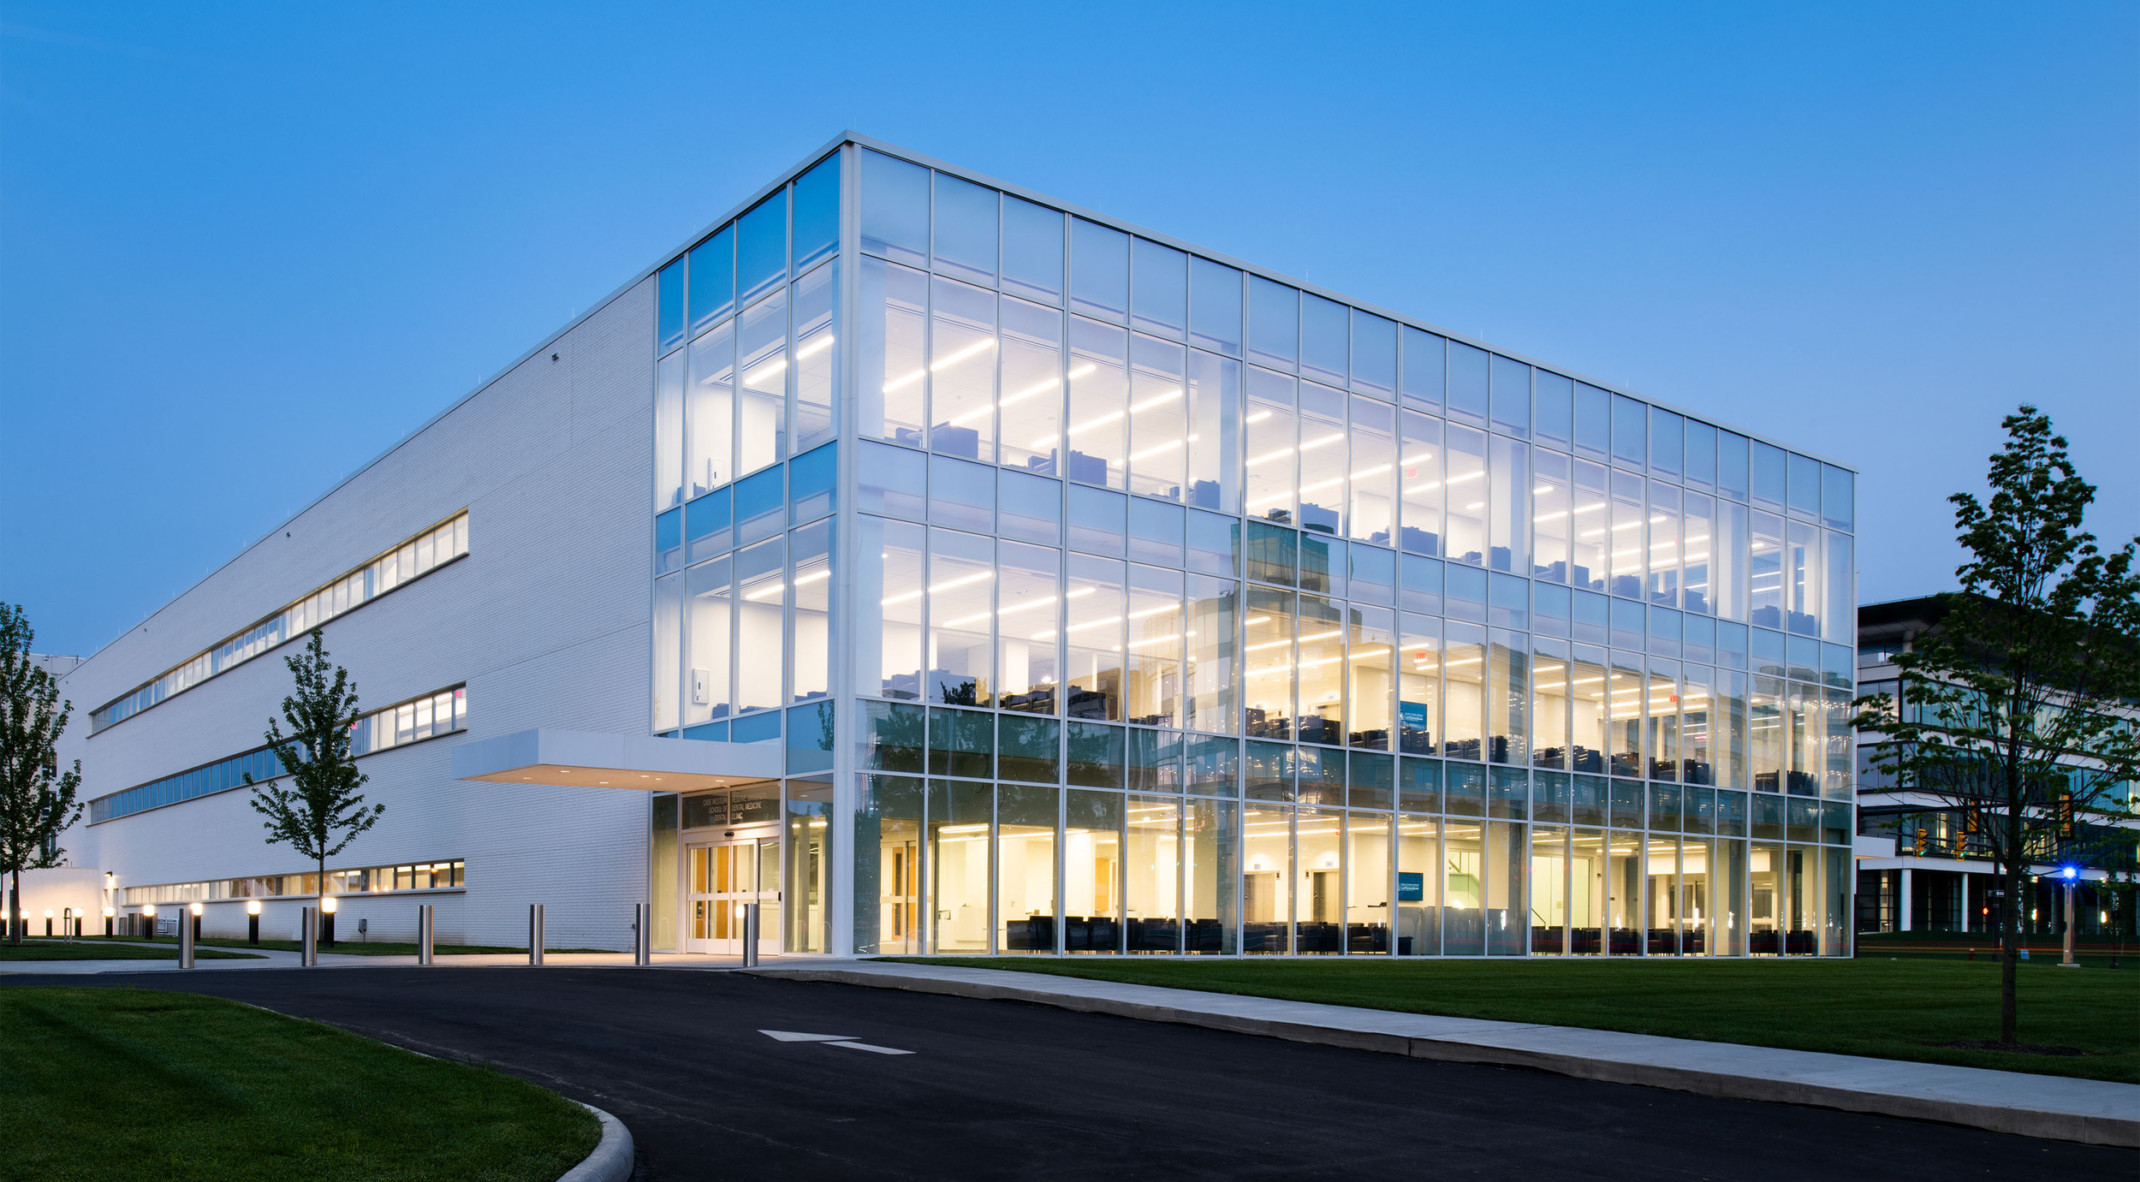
(1033, 583)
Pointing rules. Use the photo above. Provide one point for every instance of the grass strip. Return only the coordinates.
(1909, 1009)
(112, 1084)
(363, 947)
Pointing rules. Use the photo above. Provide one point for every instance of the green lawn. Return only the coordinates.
(125, 1084)
(1895, 1009)
(105, 950)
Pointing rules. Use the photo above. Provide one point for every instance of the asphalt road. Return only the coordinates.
(1008, 1090)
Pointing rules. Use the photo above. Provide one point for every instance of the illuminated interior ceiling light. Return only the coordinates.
(1161, 449)
(1159, 399)
(764, 593)
(1559, 513)
(816, 576)
(900, 383)
(816, 346)
(1258, 417)
(1474, 505)
(1280, 454)
(966, 354)
(758, 376)
(1326, 440)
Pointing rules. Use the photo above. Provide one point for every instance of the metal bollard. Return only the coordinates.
(535, 933)
(308, 947)
(424, 933)
(750, 935)
(186, 937)
(642, 934)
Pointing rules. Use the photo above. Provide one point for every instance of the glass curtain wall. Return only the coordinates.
(1198, 613)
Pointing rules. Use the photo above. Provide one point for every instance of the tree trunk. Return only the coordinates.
(2009, 952)
(14, 909)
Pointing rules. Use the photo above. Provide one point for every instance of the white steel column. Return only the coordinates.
(1902, 901)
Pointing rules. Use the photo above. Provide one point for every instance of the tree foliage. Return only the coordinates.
(36, 798)
(315, 806)
(2017, 709)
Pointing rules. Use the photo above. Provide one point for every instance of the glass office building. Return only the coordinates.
(1108, 596)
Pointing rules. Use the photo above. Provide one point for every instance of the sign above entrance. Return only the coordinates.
(590, 759)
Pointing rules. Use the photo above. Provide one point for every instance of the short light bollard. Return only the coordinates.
(750, 935)
(642, 934)
(308, 938)
(185, 945)
(535, 933)
(424, 932)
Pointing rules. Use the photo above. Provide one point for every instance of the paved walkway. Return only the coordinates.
(2091, 1111)
(272, 958)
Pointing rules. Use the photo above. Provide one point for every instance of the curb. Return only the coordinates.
(611, 1160)
(2051, 1125)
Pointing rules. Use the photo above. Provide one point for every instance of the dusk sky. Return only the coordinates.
(246, 248)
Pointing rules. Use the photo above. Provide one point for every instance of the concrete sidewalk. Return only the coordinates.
(2090, 1111)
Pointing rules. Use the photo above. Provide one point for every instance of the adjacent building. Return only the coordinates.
(947, 569)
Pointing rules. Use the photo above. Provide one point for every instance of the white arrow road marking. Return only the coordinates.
(863, 1046)
(797, 1036)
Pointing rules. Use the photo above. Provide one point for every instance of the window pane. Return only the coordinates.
(1666, 436)
(1273, 323)
(894, 300)
(762, 340)
(709, 410)
(817, 358)
(1731, 465)
(1468, 382)
(669, 301)
(1032, 250)
(1701, 456)
(1155, 532)
(1628, 536)
(1374, 471)
(1097, 521)
(1152, 673)
(1031, 509)
(962, 370)
(1552, 493)
(1099, 271)
(1700, 528)
(760, 591)
(1424, 376)
(962, 495)
(1099, 396)
(1374, 354)
(1420, 483)
(1769, 478)
(713, 278)
(810, 664)
(965, 244)
(1370, 691)
(1805, 481)
(961, 595)
(1512, 396)
(761, 506)
(1555, 396)
(888, 641)
(1325, 339)
(1630, 432)
(1029, 602)
(1271, 445)
(817, 212)
(895, 209)
(1158, 419)
(1664, 544)
(1464, 671)
(1161, 304)
(668, 650)
(1094, 606)
(1215, 306)
(1032, 386)
(1214, 432)
(1322, 459)
(762, 246)
(1837, 508)
(1212, 622)
(669, 433)
(1510, 516)
(1025, 868)
(1268, 651)
(1593, 423)
(1466, 484)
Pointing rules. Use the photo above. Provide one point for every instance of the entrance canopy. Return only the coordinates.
(591, 759)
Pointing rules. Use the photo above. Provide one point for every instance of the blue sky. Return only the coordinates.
(244, 248)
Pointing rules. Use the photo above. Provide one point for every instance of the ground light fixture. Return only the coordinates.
(252, 921)
(328, 906)
(111, 913)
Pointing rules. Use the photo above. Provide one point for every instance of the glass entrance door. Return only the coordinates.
(723, 878)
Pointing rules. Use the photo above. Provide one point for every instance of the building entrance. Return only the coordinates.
(721, 878)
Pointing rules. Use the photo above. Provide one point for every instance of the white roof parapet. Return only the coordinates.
(593, 759)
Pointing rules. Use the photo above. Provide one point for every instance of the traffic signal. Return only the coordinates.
(1920, 841)
(2065, 814)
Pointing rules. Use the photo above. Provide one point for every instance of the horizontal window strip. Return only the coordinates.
(402, 723)
(419, 556)
(447, 874)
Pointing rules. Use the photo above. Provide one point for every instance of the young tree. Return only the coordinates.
(2017, 709)
(314, 805)
(36, 797)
